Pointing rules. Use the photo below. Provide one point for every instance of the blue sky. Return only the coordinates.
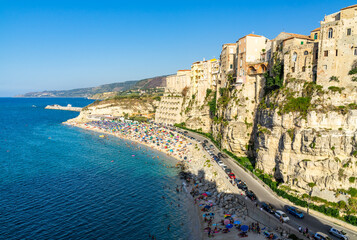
(65, 44)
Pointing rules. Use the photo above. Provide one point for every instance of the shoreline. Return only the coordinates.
(199, 176)
(197, 233)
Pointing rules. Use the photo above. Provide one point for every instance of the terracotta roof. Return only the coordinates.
(250, 35)
(229, 44)
(183, 70)
(353, 6)
(299, 36)
(315, 30)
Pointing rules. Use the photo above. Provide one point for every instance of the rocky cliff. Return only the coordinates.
(299, 134)
(128, 107)
(305, 134)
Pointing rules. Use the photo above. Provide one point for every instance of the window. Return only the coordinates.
(293, 69)
(355, 51)
(325, 67)
(306, 53)
(231, 66)
(330, 33)
(316, 54)
(315, 36)
(231, 50)
(349, 31)
(294, 57)
(303, 68)
(326, 53)
(336, 52)
(302, 43)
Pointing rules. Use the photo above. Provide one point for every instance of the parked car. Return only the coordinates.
(228, 170)
(295, 212)
(232, 175)
(220, 163)
(339, 234)
(321, 236)
(211, 146)
(281, 215)
(205, 141)
(242, 185)
(250, 194)
(268, 207)
(224, 167)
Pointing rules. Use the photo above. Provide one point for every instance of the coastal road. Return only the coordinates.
(265, 194)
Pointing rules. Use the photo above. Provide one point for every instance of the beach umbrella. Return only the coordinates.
(208, 193)
(244, 228)
(237, 222)
(227, 221)
(204, 194)
(229, 226)
(226, 215)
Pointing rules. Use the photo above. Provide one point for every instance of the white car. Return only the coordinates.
(280, 214)
(339, 234)
(220, 163)
(321, 236)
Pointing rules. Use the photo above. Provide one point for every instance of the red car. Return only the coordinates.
(232, 176)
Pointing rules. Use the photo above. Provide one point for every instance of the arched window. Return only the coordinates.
(306, 53)
(330, 33)
(315, 36)
(294, 57)
(303, 68)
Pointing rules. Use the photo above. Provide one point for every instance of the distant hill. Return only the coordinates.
(144, 84)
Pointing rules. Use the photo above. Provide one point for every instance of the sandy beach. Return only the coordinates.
(220, 206)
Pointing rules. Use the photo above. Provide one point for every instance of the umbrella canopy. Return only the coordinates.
(229, 226)
(244, 228)
(237, 222)
(227, 221)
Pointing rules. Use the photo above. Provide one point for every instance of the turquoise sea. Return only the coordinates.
(61, 182)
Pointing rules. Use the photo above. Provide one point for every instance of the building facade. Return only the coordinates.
(227, 63)
(338, 49)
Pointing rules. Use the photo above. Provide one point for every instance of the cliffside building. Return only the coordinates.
(251, 63)
(300, 57)
(227, 63)
(204, 75)
(338, 48)
(170, 106)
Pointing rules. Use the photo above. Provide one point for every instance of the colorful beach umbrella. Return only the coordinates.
(244, 228)
(229, 226)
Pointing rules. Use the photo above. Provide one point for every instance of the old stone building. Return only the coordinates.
(204, 75)
(300, 58)
(176, 83)
(338, 49)
(251, 64)
(227, 63)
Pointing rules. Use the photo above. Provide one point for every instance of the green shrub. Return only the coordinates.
(353, 71)
(334, 78)
(351, 219)
(335, 89)
(212, 105)
(300, 104)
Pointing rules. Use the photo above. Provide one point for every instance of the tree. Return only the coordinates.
(311, 185)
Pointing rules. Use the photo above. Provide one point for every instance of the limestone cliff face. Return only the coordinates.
(305, 134)
(234, 122)
(195, 111)
(118, 108)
